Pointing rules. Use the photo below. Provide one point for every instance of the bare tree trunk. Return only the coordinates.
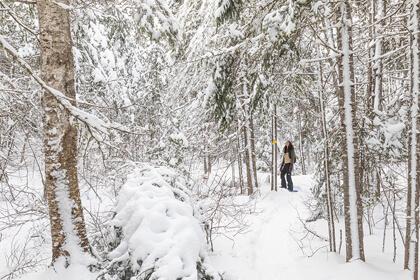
(408, 216)
(208, 163)
(394, 236)
(370, 96)
(353, 213)
(385, 227)
(412, 232)
(276, 149)
(302, 154)
(68, 230)
(232, 164)
(240, 162)
(417, 218)
(330, 208)
(248, 166)
(377, 63)
(273, 153)
(205, 165)
(206, 160)
(253, 153)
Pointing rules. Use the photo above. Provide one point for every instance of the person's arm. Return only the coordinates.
(292, 159)
(293, 156)
(282, 163)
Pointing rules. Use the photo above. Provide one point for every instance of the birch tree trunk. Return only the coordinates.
(411, 253)
(353, 213)
(68, 230)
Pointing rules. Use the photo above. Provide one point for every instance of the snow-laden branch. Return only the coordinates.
(92, 121)
(305, 61)
(64, 6)
(15, 18)
(385, 55)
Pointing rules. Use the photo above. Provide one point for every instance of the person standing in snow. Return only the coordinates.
(289, 158)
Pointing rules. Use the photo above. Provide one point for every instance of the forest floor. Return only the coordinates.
(276, 246)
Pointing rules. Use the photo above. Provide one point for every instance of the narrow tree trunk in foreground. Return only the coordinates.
(330, 208)
(411, 255)
(353, 213)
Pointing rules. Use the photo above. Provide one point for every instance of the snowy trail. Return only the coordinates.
(275, 237)
(269, 250)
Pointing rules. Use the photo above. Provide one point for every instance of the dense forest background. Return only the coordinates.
(182, 90)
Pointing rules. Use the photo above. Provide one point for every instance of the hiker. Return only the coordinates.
(289, 158)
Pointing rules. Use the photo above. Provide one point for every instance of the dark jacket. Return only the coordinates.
(292, 155)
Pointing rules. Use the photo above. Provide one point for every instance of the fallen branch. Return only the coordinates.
(311, 231)
(308, 229)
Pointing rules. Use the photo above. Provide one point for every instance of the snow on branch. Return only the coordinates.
(156, 18)
(306, 61)
(63, 6)
(15, 18)
(92, 121)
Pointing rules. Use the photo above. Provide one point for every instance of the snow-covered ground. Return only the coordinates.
(270, 250)
(275, 246)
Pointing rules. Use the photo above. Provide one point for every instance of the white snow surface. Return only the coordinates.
(271, 248)
(270, 251)
(59, 272)
(159, 226)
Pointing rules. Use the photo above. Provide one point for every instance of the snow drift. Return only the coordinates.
(157, 235)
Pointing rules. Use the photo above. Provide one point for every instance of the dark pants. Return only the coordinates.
(285, 171)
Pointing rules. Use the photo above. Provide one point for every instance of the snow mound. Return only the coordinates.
(61, 272)
(158, 235)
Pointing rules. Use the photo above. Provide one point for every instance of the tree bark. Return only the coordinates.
(377, 63)
(276, 149)
(330, 208)
(301, 152)
(248, 162)
(253, 153)
(205, 165)
(370, 88)
(411, 253)
(240, 162)
(353, 213)
(273, 154)
(60, 133)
